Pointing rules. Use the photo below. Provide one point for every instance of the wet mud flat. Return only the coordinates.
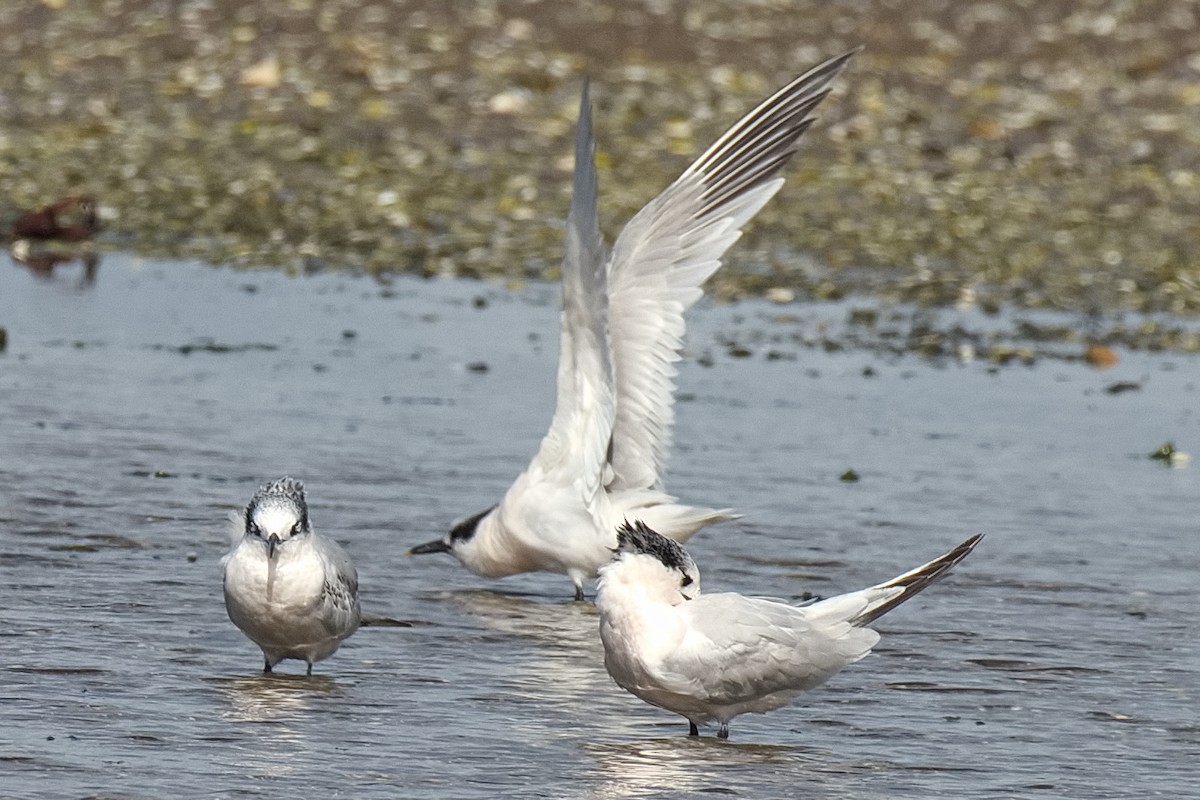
(1027, 154)
(138, 408)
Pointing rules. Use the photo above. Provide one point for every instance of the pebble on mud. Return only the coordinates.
(265, 74)
(1100, 356)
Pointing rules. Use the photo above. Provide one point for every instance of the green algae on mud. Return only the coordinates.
(1029, 154)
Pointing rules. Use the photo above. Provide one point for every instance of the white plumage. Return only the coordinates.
(291, 591)
(711, 657)
(622, 326)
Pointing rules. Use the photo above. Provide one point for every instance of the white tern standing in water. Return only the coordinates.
(714, 656)
(621, 333)
(294, 593)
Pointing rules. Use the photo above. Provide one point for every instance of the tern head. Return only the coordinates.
(660, 560)
(277, 513)
(458, 540)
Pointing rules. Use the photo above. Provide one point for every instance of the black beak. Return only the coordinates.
(272, 543)
(436, 546)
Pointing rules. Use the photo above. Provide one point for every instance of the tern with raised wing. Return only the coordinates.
(711, 657)
(622, 326)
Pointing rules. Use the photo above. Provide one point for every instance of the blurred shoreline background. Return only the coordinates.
(1031, 154)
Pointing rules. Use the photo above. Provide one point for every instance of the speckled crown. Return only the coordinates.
(638, 537)
(284, 492)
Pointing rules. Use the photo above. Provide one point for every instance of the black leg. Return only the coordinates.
(723, 733)
(692, 729)
(309, 668)
(266, 667)
(578, 592)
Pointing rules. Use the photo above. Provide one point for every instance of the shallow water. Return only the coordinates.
(138, 410)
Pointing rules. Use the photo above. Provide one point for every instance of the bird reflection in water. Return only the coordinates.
(281, 701)
(564, 644)
(275, 697)
(41, 240)
(42, 261)
(530, 617)
(684, 765)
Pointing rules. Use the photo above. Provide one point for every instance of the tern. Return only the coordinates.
(711, 657)
(621, 333)
(292, 592)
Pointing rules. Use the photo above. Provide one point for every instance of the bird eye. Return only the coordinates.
(296, 529)
(687, 581)
(253, 529)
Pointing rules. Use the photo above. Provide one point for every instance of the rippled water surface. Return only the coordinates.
(138, 410)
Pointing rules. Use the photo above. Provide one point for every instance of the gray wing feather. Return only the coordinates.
(579, 433)
(236, 528)
(903, 587)
(741, 647)
(672, 246)
(340, 614)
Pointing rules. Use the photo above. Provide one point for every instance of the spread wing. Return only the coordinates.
(579, 434)
(672, 246)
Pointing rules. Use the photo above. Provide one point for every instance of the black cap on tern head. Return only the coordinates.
(465, 530)
(638, 537)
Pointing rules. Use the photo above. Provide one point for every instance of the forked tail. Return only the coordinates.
(914, 581)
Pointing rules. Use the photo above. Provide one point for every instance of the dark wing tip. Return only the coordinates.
(584, 145)
(919, 579)
(923, 576)
(755, 148)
